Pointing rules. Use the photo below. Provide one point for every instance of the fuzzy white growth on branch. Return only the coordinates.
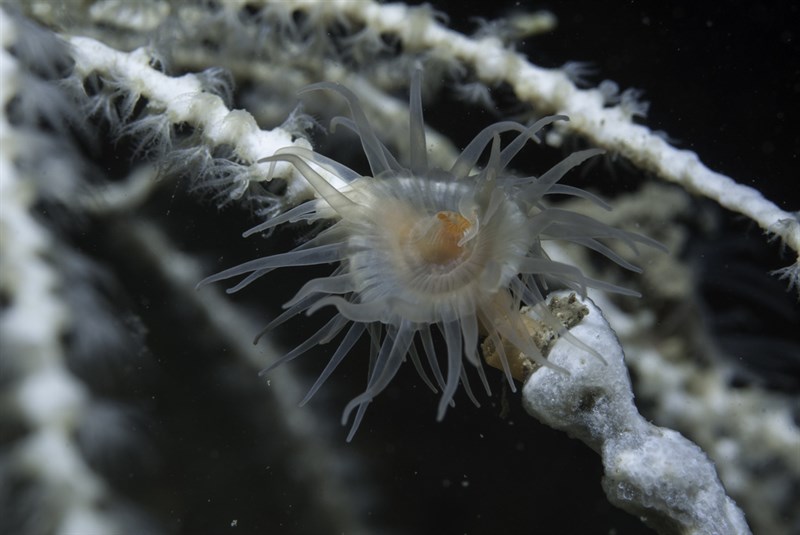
(183, 100)
(50, 400)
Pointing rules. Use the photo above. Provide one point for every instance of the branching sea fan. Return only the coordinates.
(417, 248)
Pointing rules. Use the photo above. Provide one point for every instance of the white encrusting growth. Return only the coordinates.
(651, 472)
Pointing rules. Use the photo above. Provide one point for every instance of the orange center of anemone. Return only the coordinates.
(437, 241)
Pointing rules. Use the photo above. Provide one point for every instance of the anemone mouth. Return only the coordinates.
(440, 240)
(432, 245)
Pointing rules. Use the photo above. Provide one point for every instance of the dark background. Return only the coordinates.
(723, 80)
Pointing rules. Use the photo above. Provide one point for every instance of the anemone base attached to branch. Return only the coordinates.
(651, 472)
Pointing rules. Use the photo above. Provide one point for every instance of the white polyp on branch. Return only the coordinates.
(184, 101)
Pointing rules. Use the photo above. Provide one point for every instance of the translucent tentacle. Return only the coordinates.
(369, 141)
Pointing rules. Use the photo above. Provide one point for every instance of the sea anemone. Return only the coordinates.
(420, 247)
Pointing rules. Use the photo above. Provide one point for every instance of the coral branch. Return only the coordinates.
(651, 472)
(184, 100)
